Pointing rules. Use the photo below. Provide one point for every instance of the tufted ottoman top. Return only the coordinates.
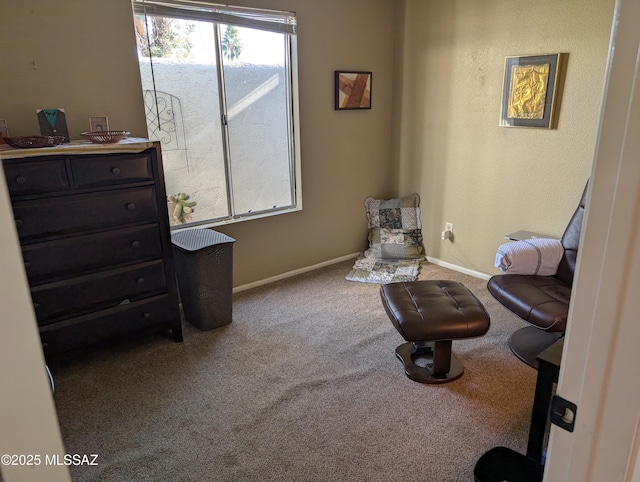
(434, 310)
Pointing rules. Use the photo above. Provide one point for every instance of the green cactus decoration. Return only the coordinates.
(182, 212)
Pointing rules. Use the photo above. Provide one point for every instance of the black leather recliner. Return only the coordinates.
(541, 301)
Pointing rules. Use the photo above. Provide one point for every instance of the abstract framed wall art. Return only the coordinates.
(352, 89)
(531, 91)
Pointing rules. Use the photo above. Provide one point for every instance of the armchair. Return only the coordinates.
(541, 301)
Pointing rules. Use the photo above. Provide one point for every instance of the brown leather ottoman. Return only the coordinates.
(429, 315)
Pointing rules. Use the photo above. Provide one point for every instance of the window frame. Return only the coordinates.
(269, 20)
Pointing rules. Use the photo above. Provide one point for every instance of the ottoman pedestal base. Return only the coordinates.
(441, 364)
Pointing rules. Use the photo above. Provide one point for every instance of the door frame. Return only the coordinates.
(601, 359)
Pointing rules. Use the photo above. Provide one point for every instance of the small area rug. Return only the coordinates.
(383, 271)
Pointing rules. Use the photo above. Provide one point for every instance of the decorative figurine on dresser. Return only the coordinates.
(94, 231)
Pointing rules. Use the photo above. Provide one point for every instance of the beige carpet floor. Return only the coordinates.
(304, 385)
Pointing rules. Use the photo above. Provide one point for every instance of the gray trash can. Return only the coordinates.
(204, 266)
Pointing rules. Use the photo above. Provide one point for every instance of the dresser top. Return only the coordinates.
(130, 144)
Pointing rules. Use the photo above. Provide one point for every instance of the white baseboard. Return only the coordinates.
(306, 269)
(295, 272)
(470, 272)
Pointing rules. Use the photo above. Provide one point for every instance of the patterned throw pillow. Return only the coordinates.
(395, 230)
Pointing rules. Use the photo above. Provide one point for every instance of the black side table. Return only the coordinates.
(548, 372)
(503, 464)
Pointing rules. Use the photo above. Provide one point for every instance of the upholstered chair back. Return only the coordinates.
(570, 241)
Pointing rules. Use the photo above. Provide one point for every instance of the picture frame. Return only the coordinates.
(53, 122)
(4, 130)
(352, 89)
(531, 90)
(98, 124)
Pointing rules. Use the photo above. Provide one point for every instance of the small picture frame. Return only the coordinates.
(352, 89)
(98, 124)
(531, 91)
(4, 131)
(53, 122)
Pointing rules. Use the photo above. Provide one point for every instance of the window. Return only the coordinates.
(220, 93)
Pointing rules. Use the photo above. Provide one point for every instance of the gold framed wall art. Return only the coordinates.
(531, 91)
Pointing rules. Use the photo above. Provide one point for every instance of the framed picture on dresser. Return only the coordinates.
(53, 122)
(98, 124)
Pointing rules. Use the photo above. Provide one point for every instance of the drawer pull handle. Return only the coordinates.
(21, 179)
(136, 244)
(140, 281)
(36, 305)
(27, 265)
(146, 314)
(131, 206)
(115, 171)
(19, 223)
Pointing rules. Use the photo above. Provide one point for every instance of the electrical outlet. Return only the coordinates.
(447, 234)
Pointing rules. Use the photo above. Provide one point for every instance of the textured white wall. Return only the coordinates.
(92, 69)
(441, 101)
(88, 66)
(490, 180)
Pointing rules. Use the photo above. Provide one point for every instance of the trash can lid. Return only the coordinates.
(196, 239)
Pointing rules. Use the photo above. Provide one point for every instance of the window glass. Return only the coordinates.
(258, 120)
(219, 99)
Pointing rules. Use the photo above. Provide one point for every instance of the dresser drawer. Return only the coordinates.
(69, 214)
(89, 172)
(70, 256)
(155, 312)
(36, 177)
(99, 290)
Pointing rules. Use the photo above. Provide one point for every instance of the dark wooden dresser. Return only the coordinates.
(93, 227)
